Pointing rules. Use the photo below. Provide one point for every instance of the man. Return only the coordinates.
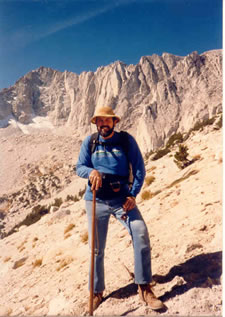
(107, 169)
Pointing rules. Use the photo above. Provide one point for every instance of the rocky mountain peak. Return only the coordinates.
(160, 95)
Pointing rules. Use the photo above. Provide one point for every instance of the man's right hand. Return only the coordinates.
(95, 180)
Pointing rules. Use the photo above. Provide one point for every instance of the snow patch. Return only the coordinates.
(37, 123)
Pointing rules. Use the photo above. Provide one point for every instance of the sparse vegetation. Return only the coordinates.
(72, 198)
(146, 195)
(181, 157)
(67, 236)
(152, 168)
(174, 139)
(84, 237)
(37, 263)
(160, 153)
(64, 262)
(219, 124)
(199, 125)
(148, 154)
(182, 154)
(69, 228)
(8, 311)
(82, 191)
(149, 180)
(21, 247)
(7, 259)
(76, 198)
(58, 202)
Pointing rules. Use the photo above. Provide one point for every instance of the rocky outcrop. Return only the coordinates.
(155, 98)
(43, 181)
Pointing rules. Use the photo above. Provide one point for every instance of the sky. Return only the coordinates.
(82, 35)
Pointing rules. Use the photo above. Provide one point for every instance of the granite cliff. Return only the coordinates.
(156, 98)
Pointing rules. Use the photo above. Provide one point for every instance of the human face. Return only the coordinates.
(105, 126)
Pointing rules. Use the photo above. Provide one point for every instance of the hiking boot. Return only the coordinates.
(97, 299)
(149, 298)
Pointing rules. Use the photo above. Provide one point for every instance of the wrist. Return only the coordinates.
(132, 197)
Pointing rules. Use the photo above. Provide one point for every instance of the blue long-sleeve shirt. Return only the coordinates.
(111, 159)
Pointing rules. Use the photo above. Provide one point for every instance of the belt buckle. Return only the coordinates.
(115, 186)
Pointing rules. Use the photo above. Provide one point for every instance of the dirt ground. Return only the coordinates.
(44, 266)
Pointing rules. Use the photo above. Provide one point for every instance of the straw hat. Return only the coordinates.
(104, 112)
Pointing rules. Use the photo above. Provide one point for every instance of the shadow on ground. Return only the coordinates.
(124, 292)
(203, 270)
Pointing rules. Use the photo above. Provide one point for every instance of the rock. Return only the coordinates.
(193, 246)
(22, 227)
(53, 209)
(57, 305)
(178, 280)
(61, 213)
(203, 228)
(19, 263)
(161, 94)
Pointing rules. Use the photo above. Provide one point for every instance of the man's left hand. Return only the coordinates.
(129, 204)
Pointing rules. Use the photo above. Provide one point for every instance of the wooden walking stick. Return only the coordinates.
(92, 254)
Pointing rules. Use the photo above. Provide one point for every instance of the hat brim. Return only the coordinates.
(93, 119)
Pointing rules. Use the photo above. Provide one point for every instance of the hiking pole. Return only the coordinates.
(92, 254)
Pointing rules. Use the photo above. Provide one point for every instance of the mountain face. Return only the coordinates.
(156, 98)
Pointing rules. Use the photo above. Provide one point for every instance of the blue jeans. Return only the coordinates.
(139, 234)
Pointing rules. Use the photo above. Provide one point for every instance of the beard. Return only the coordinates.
(105, 130)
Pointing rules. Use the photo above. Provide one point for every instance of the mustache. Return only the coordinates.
(104, 126)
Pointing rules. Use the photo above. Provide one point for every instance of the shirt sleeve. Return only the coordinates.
(84, 165)
(138, 167)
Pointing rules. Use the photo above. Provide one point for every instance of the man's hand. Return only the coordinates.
(129, 204)
(95, 180)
